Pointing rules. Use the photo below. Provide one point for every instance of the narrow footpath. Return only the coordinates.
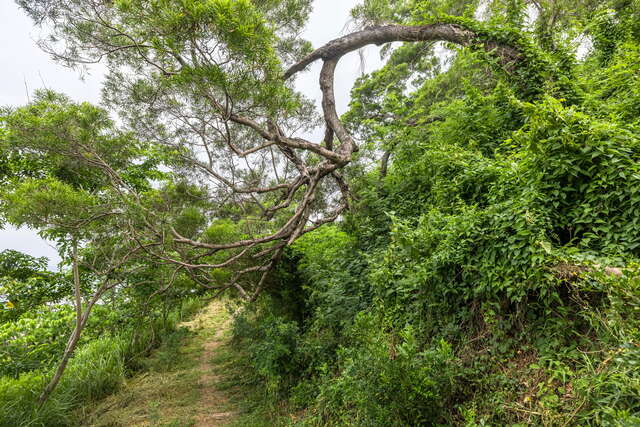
(183, 383)
(213, 405)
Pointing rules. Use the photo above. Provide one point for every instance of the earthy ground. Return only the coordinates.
(214, 403)
(184, 384)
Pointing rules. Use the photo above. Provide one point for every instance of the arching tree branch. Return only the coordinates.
(379, 35)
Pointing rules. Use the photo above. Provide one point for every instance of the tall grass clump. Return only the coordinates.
(97, 369)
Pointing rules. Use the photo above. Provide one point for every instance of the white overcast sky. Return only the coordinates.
(24, 68)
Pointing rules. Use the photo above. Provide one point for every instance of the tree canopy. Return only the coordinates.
(208, 84)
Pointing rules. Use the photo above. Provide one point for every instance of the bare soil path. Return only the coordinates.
(181, 385)
(214, 407)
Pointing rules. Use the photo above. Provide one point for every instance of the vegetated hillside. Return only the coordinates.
(461, 248)
(36, 322)
(491, 276)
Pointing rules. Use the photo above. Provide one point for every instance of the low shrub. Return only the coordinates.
(386, 379)
(269, 343)
(96, 370)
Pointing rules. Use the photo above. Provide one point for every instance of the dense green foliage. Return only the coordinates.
(486, 272)
(25, 284)
(491, 276)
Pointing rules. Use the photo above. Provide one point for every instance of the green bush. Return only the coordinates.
(387, 379)
(34, 340)
(269, 342)
(96, 370)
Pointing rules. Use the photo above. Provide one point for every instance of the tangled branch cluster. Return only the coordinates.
(247, 154)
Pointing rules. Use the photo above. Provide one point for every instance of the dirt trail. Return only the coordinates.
(214, 404)
(182, 386)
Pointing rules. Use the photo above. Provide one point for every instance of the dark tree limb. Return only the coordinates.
(335, 157)
(379, 35)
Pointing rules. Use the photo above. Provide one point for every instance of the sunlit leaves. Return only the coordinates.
(34, 340)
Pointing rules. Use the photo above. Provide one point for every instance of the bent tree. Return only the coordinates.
(210, 84)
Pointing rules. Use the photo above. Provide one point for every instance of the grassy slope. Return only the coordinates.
(184, 382)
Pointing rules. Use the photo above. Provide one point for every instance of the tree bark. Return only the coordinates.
(379, 35)
(76, 283)
(81, 321)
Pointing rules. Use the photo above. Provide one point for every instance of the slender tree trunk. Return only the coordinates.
(76, 283)
(71, 346)
(81, 320)
(384, 163)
